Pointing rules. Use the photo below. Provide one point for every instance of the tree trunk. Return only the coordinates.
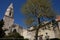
(36, 35)
(37, 30)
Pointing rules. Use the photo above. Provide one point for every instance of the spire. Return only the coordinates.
(9, 11)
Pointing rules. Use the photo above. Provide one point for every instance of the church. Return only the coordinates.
(9, 26)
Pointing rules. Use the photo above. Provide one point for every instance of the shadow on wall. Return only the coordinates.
(55, 39)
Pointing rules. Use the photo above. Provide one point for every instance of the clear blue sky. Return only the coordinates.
(18, 16)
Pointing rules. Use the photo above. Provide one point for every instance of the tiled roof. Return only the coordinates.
(57, 18)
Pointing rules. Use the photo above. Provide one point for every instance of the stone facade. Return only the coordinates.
(53, 32)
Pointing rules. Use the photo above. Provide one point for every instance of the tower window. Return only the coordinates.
(10, 13)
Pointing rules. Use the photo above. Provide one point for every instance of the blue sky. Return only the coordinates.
(18, 16)
(56, 6)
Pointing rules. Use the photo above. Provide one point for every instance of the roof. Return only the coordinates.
(58, 18)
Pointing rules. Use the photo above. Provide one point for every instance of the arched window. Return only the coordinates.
(14, 30)
(10, 14)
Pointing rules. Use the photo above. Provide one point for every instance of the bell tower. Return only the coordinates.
(8, 18)
(9, 11)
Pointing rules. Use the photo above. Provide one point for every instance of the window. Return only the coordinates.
(10, 13)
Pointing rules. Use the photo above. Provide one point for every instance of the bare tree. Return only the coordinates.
(34, 10)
